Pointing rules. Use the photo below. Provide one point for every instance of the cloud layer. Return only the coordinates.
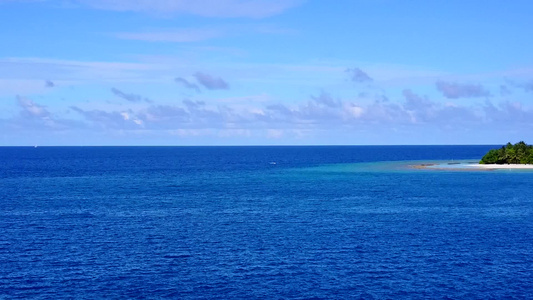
(321, 111)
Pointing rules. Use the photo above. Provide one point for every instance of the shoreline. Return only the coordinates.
(468, 166)
(503, 166)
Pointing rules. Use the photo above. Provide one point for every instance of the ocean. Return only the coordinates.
(317, 222)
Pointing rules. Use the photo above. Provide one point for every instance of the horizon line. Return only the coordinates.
(260, 145)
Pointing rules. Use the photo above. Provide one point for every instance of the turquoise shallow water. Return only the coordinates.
(463, 165)
(399, 166)
(224, 222)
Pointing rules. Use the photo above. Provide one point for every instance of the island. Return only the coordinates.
(519, 153)
(508, 157)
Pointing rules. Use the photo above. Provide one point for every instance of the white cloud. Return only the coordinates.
(205, 8)
(7, 1)
(176, 35)
(32, 109)
(454, 90)
(112, 120)
(358, 75)
(354, 110)
(211, 82)
(30, 71)
(35, 116)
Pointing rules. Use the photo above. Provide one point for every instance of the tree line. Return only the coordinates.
(519, 153)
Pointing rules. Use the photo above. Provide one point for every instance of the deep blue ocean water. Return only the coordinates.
(261, 222)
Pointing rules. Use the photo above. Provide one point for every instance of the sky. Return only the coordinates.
(265, 72)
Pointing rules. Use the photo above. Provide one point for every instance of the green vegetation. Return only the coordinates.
(519, 153)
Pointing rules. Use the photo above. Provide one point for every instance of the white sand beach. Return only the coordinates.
(503, 166)
(468, 165)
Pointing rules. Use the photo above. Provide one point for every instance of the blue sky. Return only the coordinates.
(258, 72)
